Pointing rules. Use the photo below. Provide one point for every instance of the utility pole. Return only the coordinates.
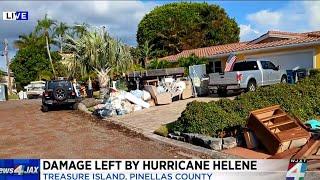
(5, 52)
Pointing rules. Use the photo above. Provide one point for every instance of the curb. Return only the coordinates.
(183, 145)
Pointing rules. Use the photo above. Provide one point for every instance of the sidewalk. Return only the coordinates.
(149, 120)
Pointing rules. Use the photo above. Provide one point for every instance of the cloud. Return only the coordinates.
(297, 16)
(247, 32)
(313, 13)
(266, 18)
(121, 18)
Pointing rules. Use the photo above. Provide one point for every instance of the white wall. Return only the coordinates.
(290, 60)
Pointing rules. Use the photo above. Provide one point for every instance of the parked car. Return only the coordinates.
(247, 75)
(59, 93)
(35, 89)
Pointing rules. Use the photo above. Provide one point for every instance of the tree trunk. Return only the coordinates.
(48, 50)
(61, 41)
(103, 82)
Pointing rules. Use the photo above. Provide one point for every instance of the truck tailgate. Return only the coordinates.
(226, 78)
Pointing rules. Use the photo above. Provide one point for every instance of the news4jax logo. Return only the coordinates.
(20, 170)
(15, 16)
(297, 169)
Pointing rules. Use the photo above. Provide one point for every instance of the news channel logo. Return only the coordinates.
(297, 169)
(24, 168)
(15, 16)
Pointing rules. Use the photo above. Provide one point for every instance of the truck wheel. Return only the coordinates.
(44, 108)
(222, 92)
(283, 79)
(252, 86)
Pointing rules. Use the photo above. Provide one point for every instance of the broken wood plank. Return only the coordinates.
(307, 149)
(280, 124)
(273, 117)
(285, 154)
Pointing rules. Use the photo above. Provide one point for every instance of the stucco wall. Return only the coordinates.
(241, 57)
(317, 54)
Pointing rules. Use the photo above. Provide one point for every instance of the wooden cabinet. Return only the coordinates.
(276, 130)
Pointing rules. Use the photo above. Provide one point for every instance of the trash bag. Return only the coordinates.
(146, 95)
(116, 103)
(103, 113)
(137, 93)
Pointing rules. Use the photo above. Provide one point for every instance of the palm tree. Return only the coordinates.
(96, 50)
(25, 40)
(44, 26)
(79, 30)
(146, 52)
(60, 30)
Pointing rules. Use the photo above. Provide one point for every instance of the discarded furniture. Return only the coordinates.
(157, 72)
(276, 130)
(160, 99)
(153, 82)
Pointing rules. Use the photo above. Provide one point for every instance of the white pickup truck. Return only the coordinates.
(247, 75)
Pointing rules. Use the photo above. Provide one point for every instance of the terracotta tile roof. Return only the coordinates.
(289, 39)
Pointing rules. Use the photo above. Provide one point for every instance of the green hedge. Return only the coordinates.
(301, 100)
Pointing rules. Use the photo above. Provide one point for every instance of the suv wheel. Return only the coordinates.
(252, 86)
(44, 108)
(60, 94)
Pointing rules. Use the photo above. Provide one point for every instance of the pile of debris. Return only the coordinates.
(270, 129)
(120, 102)
(283, 136)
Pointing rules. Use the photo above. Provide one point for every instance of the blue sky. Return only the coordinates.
(122, 17)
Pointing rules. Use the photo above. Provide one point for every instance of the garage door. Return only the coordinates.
(292, 60)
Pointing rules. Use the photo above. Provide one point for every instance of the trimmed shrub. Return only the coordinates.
(301, 100)
(162, 131)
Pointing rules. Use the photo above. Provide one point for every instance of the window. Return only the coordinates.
(245, 66)
(268, 65)
(209, 67)
(217, 66)
(213, 67)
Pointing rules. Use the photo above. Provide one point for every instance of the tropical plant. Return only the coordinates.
(44, 26)
(179, 26)
(26, 40)
(97, 51)
(190, 61)
(60, 31)
(146, 52)
(159, 64)
(31, 63)
(78, 30)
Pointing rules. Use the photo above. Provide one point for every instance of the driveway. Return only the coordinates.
(26, 132)
(149, 120)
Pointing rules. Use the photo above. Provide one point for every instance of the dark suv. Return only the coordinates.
(59, 93)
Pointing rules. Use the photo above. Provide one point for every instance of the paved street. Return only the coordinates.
(27, 132)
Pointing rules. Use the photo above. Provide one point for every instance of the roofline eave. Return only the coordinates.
(266, 49)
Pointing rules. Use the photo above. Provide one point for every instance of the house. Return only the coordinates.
(287, 49)
(4, 79)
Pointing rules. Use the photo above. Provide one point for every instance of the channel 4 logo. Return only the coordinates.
(297, 169)
(15, 16)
